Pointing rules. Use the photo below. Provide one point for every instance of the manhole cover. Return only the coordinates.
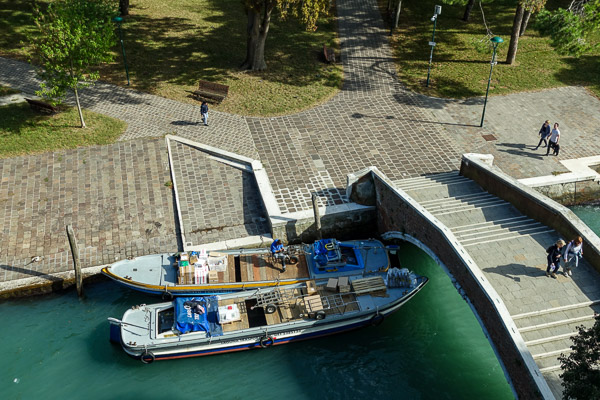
(489, 138)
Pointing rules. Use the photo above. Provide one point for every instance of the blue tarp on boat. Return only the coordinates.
(196, 314)
(326, 250)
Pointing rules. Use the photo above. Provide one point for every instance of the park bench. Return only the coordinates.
(42, 107)
(329, 54)
(211, 91)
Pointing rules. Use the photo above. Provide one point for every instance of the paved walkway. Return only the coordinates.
(118, 200)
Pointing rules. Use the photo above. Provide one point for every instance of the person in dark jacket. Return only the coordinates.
(544, 133)
(204, 112)
(554, 255)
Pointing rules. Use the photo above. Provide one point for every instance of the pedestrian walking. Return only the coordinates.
(571, 256)
(544, 133)
(554, 255)
(554, 138)
(204, 112)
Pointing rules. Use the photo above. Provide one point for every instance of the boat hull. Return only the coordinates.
(198, 290)
(277, 335)
(155, 274)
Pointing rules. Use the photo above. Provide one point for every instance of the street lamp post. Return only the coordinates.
(119, 20)
(496, 40)
(437, 11)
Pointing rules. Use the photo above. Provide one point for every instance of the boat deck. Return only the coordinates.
(293, 309)
(248, 268)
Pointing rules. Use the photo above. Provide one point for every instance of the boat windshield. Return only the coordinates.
(166, 319)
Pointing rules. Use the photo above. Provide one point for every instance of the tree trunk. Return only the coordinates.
(514, 37)
(79, 107)
(397, 17)
(124, 7)
(468, 9)
(71, 72)
(257, 30)
(526, 16)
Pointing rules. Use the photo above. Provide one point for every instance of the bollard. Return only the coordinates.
(76, 265)
(315, 202)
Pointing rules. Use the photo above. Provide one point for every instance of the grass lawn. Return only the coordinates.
(24, 132)
(171, 45)
(459, 71)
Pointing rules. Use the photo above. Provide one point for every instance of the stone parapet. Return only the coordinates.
(532, 204)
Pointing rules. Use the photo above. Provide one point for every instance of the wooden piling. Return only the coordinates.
(315, 203)
(76, 265)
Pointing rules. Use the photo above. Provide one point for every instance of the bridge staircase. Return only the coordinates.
(509, 248)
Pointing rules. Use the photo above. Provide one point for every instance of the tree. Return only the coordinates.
(259, 19)
(531, 7)
(73, 37)
(520, 24)
(468, 9)
(581, 368)
(514, 36)
(124, 7)
(571, 30)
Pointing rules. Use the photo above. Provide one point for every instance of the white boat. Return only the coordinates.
(205, 325)
(215, 272)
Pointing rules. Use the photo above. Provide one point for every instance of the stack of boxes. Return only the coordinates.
(197, 268)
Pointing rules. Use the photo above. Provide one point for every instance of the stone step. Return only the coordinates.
(555, 315)
(550, 360)
(426, 182)
(542, 333)
(440, 202)
(452, 207)
(557, 345)
(503, 234)
(477, 216)
(478, 226)
(439, 192)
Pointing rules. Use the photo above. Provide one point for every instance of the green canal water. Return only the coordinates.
(56, 347)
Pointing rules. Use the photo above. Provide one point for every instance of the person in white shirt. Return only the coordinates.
(554, 138)
(573, 253)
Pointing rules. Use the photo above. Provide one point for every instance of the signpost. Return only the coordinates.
(437, 11)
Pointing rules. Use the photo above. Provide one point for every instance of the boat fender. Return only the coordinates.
(147, 357)
(266, 341)
(294, 260)
(320, 315)
(377, 319)
(166, 295)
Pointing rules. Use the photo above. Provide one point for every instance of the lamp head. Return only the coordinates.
(496, 40)
(118, 19)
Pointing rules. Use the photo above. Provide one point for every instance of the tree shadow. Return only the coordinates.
(180, 51)
(582, 71)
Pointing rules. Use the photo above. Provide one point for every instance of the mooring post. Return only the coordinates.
(75, 254)
(315, 202)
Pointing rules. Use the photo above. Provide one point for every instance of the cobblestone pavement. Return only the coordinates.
(515, 120)
(372, 121)
(217, 202)
(114, 197)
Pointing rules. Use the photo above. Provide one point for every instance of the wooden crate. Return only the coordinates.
(367, 285)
